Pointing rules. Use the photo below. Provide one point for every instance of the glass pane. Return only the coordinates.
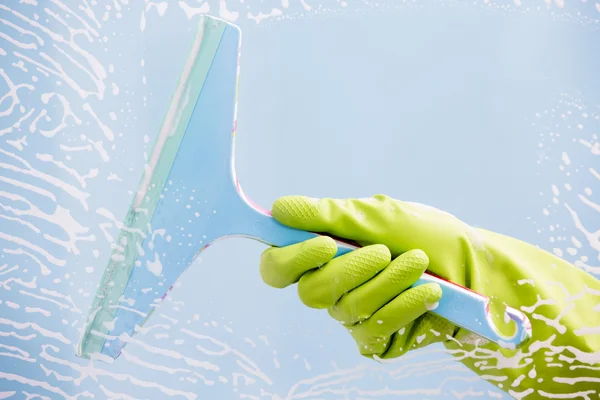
(486, 110)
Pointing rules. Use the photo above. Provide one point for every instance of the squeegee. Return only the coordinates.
(163, 234)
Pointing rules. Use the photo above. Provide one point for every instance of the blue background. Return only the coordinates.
(466, 106)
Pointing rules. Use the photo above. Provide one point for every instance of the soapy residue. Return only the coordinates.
(574, 125)
(65, 116)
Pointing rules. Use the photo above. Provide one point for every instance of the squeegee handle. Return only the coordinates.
(459, 305)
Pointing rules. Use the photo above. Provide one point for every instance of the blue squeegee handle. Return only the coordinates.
(459, 305)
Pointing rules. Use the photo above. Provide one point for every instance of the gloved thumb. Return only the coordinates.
(355, 219)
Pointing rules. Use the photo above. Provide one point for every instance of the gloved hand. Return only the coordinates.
(368, 292)
(364, 290)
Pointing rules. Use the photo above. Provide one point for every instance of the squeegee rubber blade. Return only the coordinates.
(175, 216)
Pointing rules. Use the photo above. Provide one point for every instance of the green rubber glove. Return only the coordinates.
(368, 290)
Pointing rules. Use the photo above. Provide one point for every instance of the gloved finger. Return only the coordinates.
(365, 300)
(283, 266)
(339, 217)
(370, 346)
(397, 314)
(323, 287)
(427, 329)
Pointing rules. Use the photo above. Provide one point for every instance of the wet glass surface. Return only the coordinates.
(487, 110)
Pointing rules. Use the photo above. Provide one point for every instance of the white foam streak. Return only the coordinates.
(29, 170)
(37, 249)
(191, 12)
(11, 94)
(44, 270)
(40, 384)
(244, 361)
(31, 325)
